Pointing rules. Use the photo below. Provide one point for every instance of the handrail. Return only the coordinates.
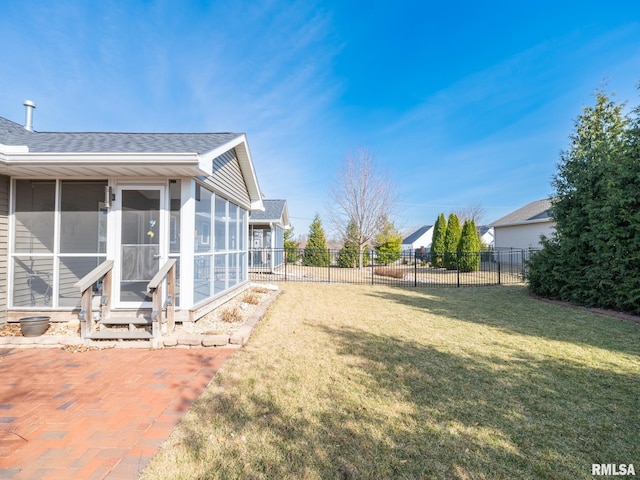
(168, 271)
(94, 275)
(101, 272)
(159, 277)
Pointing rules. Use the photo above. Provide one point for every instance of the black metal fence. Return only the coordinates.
(491, 267)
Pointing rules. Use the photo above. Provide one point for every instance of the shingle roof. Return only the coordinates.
(534, 211)
(273, 210)
(416, 235)
(106, 142)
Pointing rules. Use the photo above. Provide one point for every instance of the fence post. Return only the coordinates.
(499, 268)
(415, 268)
(458, 267)
(286, 260)
(372, 267)
(328, 266)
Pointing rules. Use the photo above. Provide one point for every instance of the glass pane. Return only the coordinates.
(177, 299)
(34, 216)
(73, 269)
(32, 282)
(243, 229)
(233, 227)
(203, 220)
(202, 278)
(233, 269)
(220, 273)
(221, 224)
(140, 243)
(174, 227)
(83, 220)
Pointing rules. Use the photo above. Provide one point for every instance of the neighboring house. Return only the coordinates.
(71, 201)
(421, 238)
(522, 228)
(486, 234)
(266, 235)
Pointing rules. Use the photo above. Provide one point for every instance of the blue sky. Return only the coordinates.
(462, 102)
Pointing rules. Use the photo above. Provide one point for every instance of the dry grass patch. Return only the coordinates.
(251, 297)
(344, 381)
(231, 315)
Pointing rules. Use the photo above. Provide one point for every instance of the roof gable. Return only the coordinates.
(417, 234)
(537, 211)
(274, 211)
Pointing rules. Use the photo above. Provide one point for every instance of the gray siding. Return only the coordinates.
(227, 179)
(4, 243)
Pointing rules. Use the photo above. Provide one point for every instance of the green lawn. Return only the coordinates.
(343, 381)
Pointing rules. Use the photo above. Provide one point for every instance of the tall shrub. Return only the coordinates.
(469, 247)
(592, 258)
(349, 254)
(315, 252)
(388, 243)
(290, 246)
(451, 241)
(437, 241)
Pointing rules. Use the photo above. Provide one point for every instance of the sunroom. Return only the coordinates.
(125, 206)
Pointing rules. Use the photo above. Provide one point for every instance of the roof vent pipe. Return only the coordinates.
(28, 124)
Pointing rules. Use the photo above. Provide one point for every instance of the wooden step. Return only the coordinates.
(141, 321)
(120, 335)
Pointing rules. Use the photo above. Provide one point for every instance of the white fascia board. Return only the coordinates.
(34, 160)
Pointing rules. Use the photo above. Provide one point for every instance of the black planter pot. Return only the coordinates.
(34, 326)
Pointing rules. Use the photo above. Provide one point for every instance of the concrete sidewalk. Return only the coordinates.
(99, 414)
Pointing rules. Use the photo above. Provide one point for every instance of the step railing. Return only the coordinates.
(101, 272)
(163, 323)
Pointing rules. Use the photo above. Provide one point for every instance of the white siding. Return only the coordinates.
(522, 236)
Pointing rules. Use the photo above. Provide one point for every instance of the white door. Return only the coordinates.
(141, 246)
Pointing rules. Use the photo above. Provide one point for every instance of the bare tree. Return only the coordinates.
(361, 194)
(475, 212)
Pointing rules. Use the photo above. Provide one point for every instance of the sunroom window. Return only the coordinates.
(52, 252)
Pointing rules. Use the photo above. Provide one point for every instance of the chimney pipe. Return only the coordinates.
(28, 124)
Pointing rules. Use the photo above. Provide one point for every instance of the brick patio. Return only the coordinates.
(99, 414)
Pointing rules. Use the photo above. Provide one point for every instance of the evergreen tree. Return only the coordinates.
(437, 242)
(451, 241)
(290, 246)
(315, 253)
(349, 254)
(388, 243)
(592, 258)
(469, 247)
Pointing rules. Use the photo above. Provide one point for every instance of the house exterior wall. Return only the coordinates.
(522, 236)
(4, 242)
(227, 179)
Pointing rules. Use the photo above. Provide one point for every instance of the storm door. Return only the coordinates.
(141, 246)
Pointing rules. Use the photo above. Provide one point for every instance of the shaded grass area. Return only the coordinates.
(345, 381)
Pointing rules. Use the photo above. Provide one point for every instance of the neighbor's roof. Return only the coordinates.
(538, 211)
(417, 234)
(274, 211)
(484, 229)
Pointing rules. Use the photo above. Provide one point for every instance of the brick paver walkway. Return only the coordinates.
(100, 414)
